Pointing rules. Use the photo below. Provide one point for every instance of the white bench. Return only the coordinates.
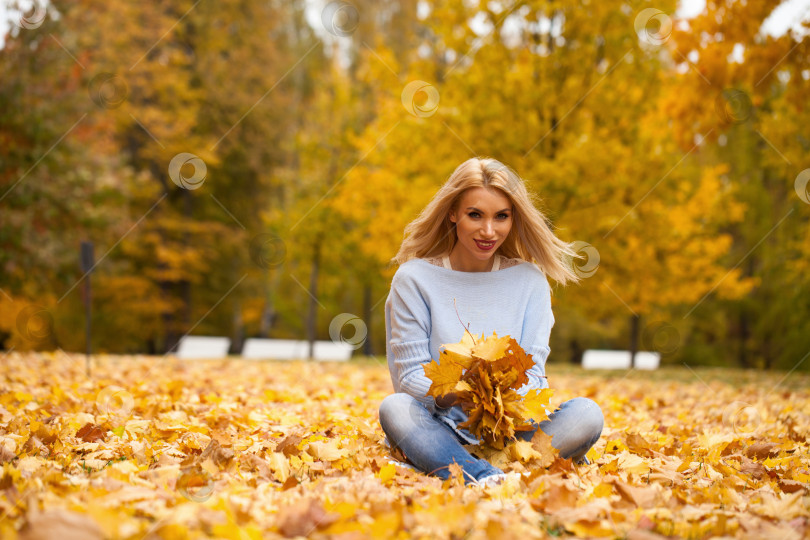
(275, 349)
(330, 350)
(203, 347)
(288, 349)
(601, 359)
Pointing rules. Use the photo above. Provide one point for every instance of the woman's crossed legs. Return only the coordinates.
(431, 445)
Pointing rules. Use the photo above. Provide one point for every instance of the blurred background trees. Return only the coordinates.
(670, 149)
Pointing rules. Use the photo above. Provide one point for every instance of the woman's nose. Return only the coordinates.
(487, 228)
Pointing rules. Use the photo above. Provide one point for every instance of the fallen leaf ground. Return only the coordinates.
(158, 448)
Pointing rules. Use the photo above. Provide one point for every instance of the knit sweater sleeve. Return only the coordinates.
(410, 338)
(537, 323)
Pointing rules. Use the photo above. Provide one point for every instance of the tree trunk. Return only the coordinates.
(168, 319)
(368, 350)
(313, 302)
(743, 359)
(269, 313)
(238, 328)
(185, 293)
(635, 323)
(576, 352)
(185, 285)
(768, 353)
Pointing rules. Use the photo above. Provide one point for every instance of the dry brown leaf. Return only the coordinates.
(289, 446)
(541, 442)
(260, 466)
(638, 445)
(641, 496)
(762, 450)
(289, 483)
(91, 433)
(456, 475)
(6, 454)
(60, 524)
(557, 496)
(753, 468)
(642, 534)
(218, 454)
(304, 517)
(791, 486)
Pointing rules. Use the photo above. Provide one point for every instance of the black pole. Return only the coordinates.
(87, 268)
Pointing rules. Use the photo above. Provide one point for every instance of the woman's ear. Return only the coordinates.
(452, 216)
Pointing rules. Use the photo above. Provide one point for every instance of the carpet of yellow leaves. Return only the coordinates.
(159, 448)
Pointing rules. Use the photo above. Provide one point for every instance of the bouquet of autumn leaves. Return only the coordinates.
(485, 374)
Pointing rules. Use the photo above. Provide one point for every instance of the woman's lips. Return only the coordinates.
(486, 246)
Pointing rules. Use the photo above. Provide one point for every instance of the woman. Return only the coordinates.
(469, 255)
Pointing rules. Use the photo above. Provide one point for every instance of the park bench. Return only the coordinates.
(602, 359)
(288, 349)
(197, 347)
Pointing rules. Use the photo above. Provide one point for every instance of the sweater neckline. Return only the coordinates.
(473, 274)
(496, 265)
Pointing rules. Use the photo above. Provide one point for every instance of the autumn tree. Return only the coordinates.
(747, 91)
(569, 97)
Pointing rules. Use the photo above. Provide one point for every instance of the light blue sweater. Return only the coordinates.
(420, 317)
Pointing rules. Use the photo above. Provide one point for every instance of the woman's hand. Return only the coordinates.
(447, 400)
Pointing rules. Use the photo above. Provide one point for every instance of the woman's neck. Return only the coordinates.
(475, 265)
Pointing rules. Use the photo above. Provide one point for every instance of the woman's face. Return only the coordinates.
(483, 220)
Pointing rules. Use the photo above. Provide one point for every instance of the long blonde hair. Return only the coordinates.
(531, 239)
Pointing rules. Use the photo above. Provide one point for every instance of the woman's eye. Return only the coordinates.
(504, 216)
(473, 214)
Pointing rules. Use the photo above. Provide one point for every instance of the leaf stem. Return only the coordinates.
(466, 329)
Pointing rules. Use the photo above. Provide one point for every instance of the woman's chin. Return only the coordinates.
(484, 254)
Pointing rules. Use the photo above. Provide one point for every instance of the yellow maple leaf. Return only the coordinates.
(536, 403)
(463, 386)
(541, 442)
(462, 352)
(465, 346)
(444, 377)
(492, 348)
(326, 450)
(387, 473)
(523, 451)
(278, 465)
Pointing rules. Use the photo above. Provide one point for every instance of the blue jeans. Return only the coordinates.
(431, 445)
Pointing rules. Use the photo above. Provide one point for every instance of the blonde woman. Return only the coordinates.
(481, 251)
